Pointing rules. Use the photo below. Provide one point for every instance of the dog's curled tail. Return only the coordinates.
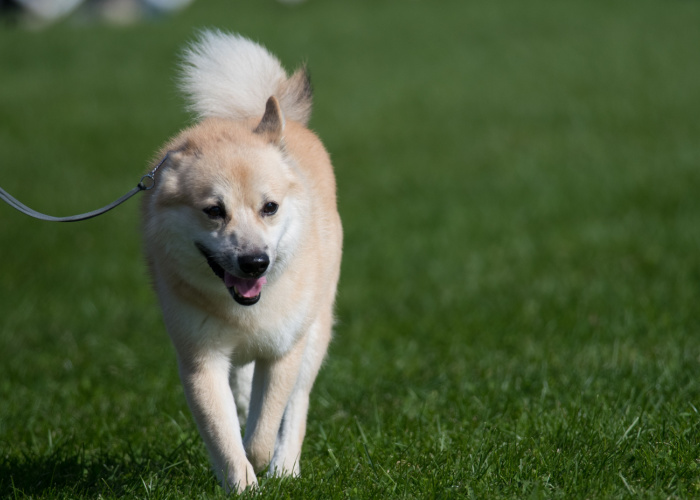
(227, 75)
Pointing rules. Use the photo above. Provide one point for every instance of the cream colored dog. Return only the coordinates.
(243, 239)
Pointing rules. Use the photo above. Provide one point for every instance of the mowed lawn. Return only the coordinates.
(519, 306)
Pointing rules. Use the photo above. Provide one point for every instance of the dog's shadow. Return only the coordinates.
(69, 472)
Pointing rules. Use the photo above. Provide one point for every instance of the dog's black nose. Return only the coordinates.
(254, 265)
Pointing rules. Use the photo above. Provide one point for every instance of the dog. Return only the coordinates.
(243, 242)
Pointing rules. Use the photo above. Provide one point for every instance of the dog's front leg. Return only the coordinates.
(205, 380)
(291, 435)
(273, 382)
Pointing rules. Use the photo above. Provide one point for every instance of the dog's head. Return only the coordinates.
(227, 205)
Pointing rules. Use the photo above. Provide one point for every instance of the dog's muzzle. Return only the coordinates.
(244, 290)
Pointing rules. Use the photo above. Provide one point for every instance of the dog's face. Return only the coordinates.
(228, 208)
(240, 217)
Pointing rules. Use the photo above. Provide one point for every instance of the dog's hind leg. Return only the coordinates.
(285, 460)
(241, 380)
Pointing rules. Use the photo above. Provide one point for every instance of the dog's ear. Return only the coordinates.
(184, 148)
(179, 152)
(187, 147)
(272, 124)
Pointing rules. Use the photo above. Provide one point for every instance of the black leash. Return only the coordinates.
(146, 183)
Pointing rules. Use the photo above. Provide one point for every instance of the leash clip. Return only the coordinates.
(149, 184)
(151, 176)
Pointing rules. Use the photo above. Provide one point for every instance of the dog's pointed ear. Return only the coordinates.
(179, 152)
(185, 148)
(272, 124)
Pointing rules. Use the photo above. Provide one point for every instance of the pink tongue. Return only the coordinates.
(246, 288)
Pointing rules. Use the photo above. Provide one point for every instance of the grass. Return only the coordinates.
(518, 309)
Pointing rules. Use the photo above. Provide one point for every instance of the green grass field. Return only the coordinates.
(519, 307)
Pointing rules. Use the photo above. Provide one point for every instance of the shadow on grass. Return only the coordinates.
(69, 472)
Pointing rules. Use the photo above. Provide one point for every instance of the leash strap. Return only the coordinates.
(147, 183)
(13, 202)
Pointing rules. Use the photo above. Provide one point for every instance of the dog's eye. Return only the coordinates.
(215, 212)
(270, 208)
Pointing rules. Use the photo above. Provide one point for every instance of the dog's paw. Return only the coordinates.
(242, 478)
(259, 453)
(280, 469)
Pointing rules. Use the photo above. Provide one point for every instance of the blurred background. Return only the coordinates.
(518, 306)
(37, 14)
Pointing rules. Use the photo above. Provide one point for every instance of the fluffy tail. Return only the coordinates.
(229, 76)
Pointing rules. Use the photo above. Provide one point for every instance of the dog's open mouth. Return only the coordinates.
(243, 290)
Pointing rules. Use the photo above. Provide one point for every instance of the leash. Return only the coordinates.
(146, 183)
